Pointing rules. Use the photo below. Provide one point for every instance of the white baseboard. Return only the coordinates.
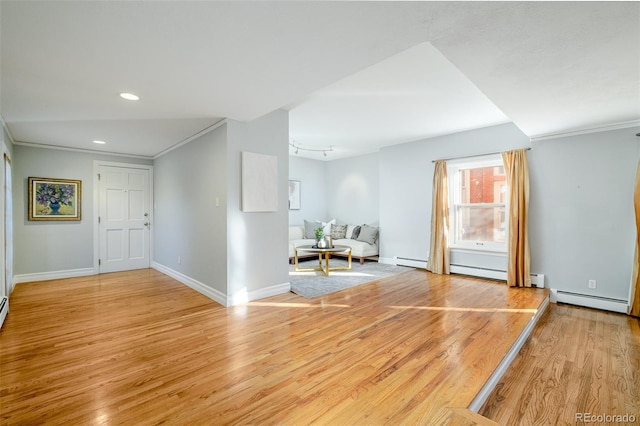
(201, 288)
(219, 297)
(387, 260)
(596, 302)
(269, 291)
(497, 374)
(53, 275)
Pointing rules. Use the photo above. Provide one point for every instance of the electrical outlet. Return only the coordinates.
(592, 283)
(179, 260)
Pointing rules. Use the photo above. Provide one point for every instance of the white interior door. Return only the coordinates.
(124, 218)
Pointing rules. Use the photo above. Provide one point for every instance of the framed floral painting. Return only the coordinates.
(54, 199)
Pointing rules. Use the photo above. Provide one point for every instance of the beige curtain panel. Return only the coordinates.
(438, 261)
(518, 256)
(635, 285)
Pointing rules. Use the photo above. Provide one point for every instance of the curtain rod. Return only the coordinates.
(476, 155)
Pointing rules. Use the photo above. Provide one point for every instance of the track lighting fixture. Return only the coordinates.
(298, 148)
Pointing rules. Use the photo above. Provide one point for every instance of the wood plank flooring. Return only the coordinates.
(576, 361)
(140, 348)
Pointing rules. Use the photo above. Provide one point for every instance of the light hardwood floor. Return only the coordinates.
(141, 348)
(577, 361)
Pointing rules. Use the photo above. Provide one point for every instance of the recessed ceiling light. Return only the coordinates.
(129, 96)
(100, 142)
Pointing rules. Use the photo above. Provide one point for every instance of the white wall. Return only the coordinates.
(406, 179)
(41, 246)
(581, 204)
(313, 189)
(347, 189)
(240, 255)
(257, 242)
(582, 219)
(353, 190)
(188, 223)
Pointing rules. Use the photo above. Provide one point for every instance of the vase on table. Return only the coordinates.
(321, 243)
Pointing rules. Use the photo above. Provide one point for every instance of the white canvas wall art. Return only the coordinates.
(259, 182)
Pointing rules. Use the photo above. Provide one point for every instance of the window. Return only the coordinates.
(478, 191)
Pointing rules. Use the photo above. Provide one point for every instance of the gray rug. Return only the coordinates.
(313, 284)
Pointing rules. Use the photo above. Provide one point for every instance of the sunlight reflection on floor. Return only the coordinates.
(331, 273)
(297, 305)
(456, 309)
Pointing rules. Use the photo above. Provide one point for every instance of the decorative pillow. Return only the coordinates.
(355, 233)
(349, 233)
(310, 229)
(368, 234)
(338, 232)
(326, 227)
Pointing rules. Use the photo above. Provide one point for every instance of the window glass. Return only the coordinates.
(479, 192)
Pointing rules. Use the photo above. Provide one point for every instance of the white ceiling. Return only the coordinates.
(355, 75)
(415, 94)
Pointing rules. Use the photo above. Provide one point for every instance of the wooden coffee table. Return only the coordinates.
(327, 255)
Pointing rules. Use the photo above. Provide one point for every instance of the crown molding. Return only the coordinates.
(86, 151)
(118, 154)
(585, 131)
(191, 138)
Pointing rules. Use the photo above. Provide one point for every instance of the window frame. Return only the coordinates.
(453, 168)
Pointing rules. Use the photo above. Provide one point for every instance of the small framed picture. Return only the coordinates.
(294, 195)
(54, 199)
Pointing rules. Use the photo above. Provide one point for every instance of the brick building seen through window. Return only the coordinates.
(480, 207)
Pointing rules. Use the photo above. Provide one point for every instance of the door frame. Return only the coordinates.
(7, 244)
(96, 207)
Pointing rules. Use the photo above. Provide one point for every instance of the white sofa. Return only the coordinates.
(359, 249)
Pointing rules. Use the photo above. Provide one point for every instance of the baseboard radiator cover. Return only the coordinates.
(4, 309)
(537, 280)
(590, 301)
(407, 261)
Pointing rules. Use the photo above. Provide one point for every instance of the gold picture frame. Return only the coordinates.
(54, 199)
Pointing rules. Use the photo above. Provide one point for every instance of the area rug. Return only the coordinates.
(314, 284)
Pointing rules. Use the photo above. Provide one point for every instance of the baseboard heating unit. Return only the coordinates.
(4, 309)
(596, 302)
(407, 261)
(537, 280)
